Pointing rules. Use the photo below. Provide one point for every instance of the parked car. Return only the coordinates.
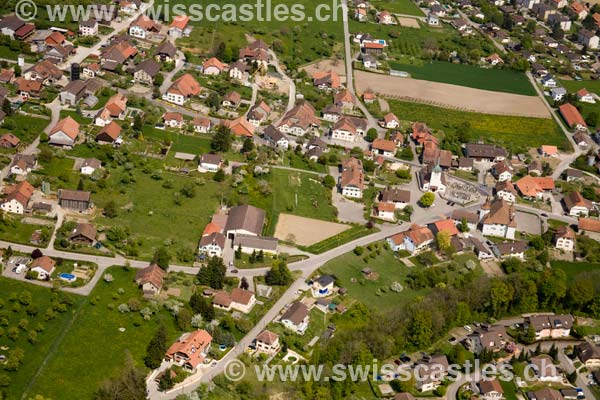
(468, 328)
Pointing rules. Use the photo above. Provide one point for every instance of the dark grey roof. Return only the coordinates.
(214, 238)
(245, 217)
(477, 150)
(255, 242)
(150, 66)
(89, 23)
(273, 134)
(210, 159)
(325, 280)
(11, 22)
(167, 48)
(506, 249)
(395, 195)
(296, 313)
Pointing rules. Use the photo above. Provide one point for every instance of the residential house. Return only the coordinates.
(22, 164)
(165, 52)
(580, 138)
(210, 163)
(564, 238)
(238, 70)
(539, 70)
(73, 92)
(578, 10)
(481, 250)
(534, 187)
(9, 141)
(383, 147)
(115, 108)
(201, 124)
(91, 70)
(416, 239)
(589, 227)
(267, 342)
(433, 19)
(240, 127)
(498, 219)
(17, 198)
(444, 225)
(259, 114)
(239, 299)
(109, 134)
(548, 81)
(116, 55)
(212, 66)
(588, 38)
(502, 171)
(83, 233)
(296, 318)
(511, 249)
(385, 18)
(332, 113)
(352, 179)
(577, 205)
(549, 151)
(545, 394)
(89, 166)
(584, 96)
(398, 197)
(544, 369)
(431, 372)
(386, 211)
(299, 120)
(550, 326)
(360, 14)
(275, 138)
(76, 200)
(232, 99)
(190, 350)
(173, 120)
(256, 52)
(561, 20)
(558, 93)
(88, 27)
(329, 80)
(322, 286)
(212, 242)
(573, 175)
(372, 48)
(369, 62)
(45, 73)
(10, 25)
(7, 76)
(144, 27)
(490, 389)
(348, 128)
(150, 279)
(490, 338)
(494, 59)
(588, 354)
(390, 121)
(179, 27)
(471, 218)
(44, 266)
(245, 220)
(506, 190)
(64, 133)
(146, 71)
(182, 89)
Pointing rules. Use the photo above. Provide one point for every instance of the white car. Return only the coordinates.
(468, 328)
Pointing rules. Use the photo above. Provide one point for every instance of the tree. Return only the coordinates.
(279, 274)
(6, 107)
(443, 241)
(213, 101)
(329, 181)
(557, 32)
(427, 199)
(213, 274)
(406, 154)
(159, 79)
(248, 145)
(592, 118)
(222, 139)
(156, 348)
(219, 176)
(138, 122)
(203, 306)
(162, 257)
(244, 284)
(110, 210)
(36, 253)
(372, 134)
(464, 225)
(80, 185)
(129, 384)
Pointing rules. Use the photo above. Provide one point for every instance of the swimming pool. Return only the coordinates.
(67, 277)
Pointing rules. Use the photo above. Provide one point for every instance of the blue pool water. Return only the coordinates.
(67, 277)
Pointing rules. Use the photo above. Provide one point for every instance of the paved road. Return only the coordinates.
(291, 84)
(179, 63)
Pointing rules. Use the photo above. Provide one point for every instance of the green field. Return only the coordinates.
(290, 192)
(357, 231)
(181, 143)
(15, 231)
(25, 127)
(574, 268)
(573, 86)
(91, 348)
(398, 7)
(512, 132)
(297, 42)
(499, 80)
(370, 292)
(49, 333)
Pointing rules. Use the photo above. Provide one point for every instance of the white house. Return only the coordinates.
(414, 240)
(296, 318)
(577, 205)
(548, 81)
(564, 238)
(558, 93)
(267, 342)
(386, 211)
(498, 219)
(390, 121)
(323, 286)
(89, 166)
(88, 27)
(210, 163)
(212, 244)
(490, 389)
(240, 300)
(352, 179)
(585, 97)
(44, 266)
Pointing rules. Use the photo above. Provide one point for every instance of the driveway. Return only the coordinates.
(348, 210)
(529, 223)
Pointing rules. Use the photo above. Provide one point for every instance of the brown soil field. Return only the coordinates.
(305, 231)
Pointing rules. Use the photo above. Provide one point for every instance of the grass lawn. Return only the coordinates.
(83, 121)
(509, 389)
(574, 268)
(303, 195)
(93, 349)
(147, 207)
(25, 127)
(15, 231)
(573, 86)
(291, 159)
(181, 143)
(512, 132)
(399, 7)
(299, 42)
(499, 80)
(53, 329)
(57, 167)
(373, 293)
